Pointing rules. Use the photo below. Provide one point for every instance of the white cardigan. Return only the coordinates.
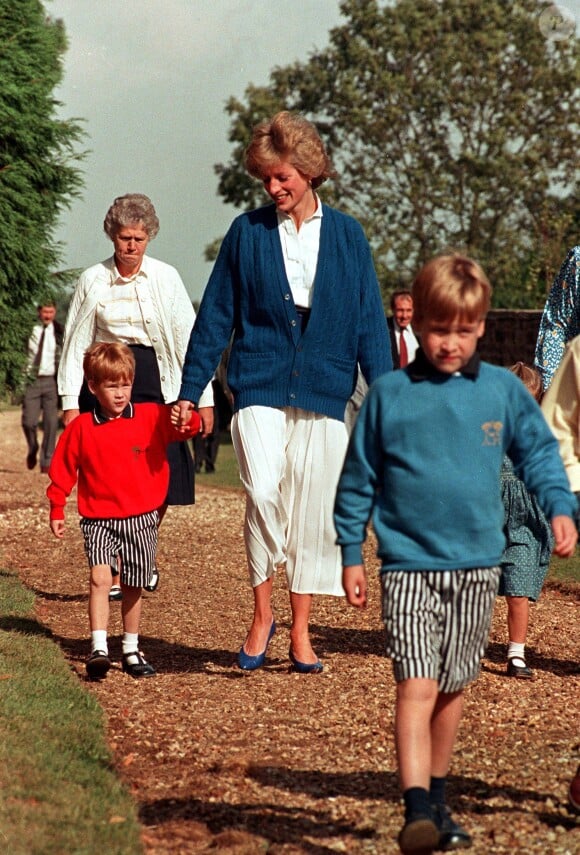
(167, 313)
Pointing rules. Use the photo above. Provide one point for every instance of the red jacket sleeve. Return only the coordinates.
(63, 472)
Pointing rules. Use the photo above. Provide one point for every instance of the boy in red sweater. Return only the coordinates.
(117, 454)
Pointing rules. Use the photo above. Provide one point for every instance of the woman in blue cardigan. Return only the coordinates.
(295, 291)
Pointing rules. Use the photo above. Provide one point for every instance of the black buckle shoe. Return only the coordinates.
(451, 834)
(419, 835)
(153, 581)
(522, 672)
(115, 594)
(97, 665)
(574, 792)
(134, 665)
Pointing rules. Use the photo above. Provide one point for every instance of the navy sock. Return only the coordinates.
(437, 791)
(416, 801)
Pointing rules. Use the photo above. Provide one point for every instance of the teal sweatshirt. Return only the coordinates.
(248, 298)
(424, 460)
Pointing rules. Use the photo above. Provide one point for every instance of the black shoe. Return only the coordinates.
(522, 672)
(574, 792)
(115, 594)
(97, 665)
(419, 835)
(31, 459)
(153, 581)
(451, 835)
(135, 665)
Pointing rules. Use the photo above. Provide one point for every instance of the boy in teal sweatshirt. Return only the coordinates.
(424, 460)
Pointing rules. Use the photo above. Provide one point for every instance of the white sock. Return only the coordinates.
(99, 640)
(130, 643)
(516, 651)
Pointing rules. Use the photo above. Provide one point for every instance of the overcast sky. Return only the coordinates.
(151, 79)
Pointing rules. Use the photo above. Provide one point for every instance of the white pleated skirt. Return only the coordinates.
(290, 462)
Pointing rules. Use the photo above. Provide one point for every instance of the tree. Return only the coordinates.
(452, 123)
(37, 172)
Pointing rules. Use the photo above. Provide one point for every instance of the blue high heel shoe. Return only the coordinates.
(303, 667)
(252, 663)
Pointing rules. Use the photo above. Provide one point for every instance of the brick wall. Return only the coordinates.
(510, 336)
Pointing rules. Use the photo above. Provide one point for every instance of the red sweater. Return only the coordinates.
(121, 464)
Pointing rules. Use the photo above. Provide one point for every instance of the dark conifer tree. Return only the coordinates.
(39, 172)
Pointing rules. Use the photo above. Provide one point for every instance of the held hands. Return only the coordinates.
(181, 415)
(565, 536)
(57, 527)
(354, 582)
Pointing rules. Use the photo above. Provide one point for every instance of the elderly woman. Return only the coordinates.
(134, 299)
(295, 289)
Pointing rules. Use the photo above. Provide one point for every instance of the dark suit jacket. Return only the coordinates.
(58, 333)
(393, 339)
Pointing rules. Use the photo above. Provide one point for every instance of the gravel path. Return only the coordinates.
(275, 762)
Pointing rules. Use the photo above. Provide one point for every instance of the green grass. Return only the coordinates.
(565, 570)
(58, 789)
(227, 474)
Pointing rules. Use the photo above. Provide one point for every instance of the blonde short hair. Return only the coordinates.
(292, 138)
(530, 377)
(109, 361)
(450, 286)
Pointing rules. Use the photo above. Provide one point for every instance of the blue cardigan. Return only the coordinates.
(271, 363)
(425, 459)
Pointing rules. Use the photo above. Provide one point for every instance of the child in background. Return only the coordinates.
(424, 459)
(529, 543)
(117, 453)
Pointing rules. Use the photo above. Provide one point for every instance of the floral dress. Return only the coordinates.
(528, 533)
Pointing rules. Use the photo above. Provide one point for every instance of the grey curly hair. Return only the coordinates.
(129, 210)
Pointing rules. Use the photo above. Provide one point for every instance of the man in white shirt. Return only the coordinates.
(44, 347)
(404, 343)
(400, 331)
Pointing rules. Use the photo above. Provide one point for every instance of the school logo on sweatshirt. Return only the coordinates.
(492, 433)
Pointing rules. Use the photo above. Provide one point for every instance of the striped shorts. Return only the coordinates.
(133, 540)
(437, 623)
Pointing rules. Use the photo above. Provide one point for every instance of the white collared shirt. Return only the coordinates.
(410, 340)
(119, 316)
(47, 367)
(300, 252)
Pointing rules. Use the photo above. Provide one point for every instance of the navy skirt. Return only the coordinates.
(147, 389)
